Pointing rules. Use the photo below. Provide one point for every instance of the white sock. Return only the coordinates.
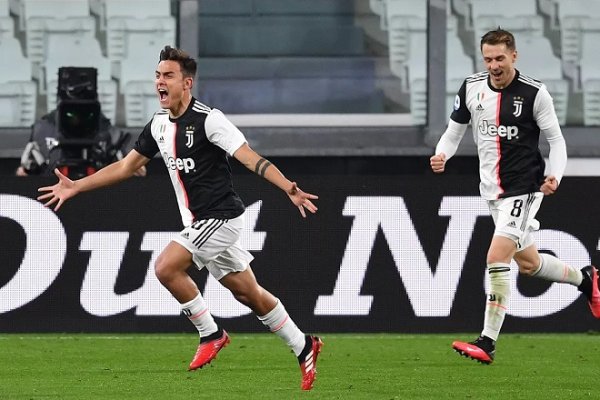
(279, 322)
(553, 269)
(197, 312)
(498, 299)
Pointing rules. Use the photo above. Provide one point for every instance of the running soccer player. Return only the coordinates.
(194, 141)
(507, 111)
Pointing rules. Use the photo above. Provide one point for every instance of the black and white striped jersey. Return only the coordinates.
(506, 126)
(194, 148)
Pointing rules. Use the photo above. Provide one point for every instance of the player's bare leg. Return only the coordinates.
(171, 270)
(483, 349)
(550, 268)
(272, 314)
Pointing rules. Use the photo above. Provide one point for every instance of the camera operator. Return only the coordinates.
(42, 153)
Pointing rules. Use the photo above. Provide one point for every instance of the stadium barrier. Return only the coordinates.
(383, 254)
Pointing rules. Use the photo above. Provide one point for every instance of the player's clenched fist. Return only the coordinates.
(438, 162)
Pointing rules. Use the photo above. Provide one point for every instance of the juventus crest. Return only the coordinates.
(189, 134)
(518, 105)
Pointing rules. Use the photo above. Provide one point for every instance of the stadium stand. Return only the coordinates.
(289, 85)
(18, 93)
(518, 16)
(142, 19)
(39, 20)
(530, 51)
(404, 18)
(550, 9)
(308, 56)
(590, 78)
(459, 66)
(301, 56)
(136, 82)
(7, 26)
(576, 17)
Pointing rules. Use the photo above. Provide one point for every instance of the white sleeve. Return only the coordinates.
(222, 132)
(451, 138)
(545, 115)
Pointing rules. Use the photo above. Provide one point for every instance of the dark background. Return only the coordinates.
(300, 259)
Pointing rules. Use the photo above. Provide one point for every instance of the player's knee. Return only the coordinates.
(527, 267)
(248, 296)
(528, 263)
(162, 270)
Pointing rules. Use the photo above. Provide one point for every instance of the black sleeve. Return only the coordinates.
(461, 113)
(145, 144)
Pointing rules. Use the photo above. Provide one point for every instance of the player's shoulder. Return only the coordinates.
(529, 81)
(159, 117)
(477, 77)
(201, 108)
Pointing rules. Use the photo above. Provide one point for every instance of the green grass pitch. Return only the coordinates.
(259, 366)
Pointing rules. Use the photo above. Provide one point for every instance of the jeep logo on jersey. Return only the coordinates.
(189, 134)
(182, 164)
(509, 132)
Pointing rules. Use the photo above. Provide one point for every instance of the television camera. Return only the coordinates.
(79, 148)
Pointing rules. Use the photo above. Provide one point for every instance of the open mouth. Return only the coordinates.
(162, 94)
(496, 74)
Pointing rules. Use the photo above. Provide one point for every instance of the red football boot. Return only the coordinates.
(208, 349)
(481, 349)
(308, 361)
(589, 287)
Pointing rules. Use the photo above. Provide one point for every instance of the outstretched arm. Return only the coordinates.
(262, 167)
(109, 175)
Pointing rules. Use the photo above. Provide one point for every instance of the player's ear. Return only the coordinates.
(188, 83)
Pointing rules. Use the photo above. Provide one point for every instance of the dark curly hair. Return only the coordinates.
(187, 64)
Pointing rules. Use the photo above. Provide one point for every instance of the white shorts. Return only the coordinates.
(514, 217)
(215, 244)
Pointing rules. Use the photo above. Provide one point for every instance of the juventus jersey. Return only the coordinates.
(506, 127)
(194, 148)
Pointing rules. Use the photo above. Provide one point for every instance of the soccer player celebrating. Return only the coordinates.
(194, 141)
(507, 111)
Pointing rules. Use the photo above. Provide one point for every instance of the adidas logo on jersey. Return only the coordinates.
(512, 224)
(161, 139)
(479, 108)
(186, 235)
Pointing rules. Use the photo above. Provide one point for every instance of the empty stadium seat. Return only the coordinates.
(120, 20)
(575, 17)
(462, 8)
(137, 80)
(590, 78)
(80, 52)
(518, 16)
(7, 25)
(458, 67)
(18, 93)
(550, 8)
(122, 31)
(41, 18)
(138, 9)
(404, 17)
(530, 51)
